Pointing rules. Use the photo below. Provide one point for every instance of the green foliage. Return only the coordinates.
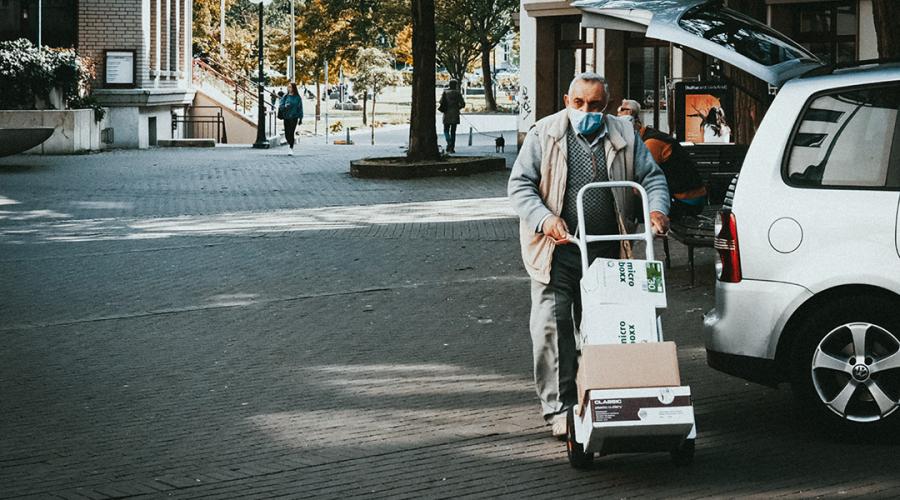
(27, 73)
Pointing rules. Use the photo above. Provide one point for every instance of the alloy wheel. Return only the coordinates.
(856, 371)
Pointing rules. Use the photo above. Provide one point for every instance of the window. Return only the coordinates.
(741, 34)
(646, 71)
(827, 29)
(848, 138)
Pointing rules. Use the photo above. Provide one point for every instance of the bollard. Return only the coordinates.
(470, 136)
(348, 136)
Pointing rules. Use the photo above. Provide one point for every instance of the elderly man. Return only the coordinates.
(562, 153)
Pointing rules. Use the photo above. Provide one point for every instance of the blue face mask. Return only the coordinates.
(585, 123)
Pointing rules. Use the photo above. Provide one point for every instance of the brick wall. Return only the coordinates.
(132, 24)
(112, 24)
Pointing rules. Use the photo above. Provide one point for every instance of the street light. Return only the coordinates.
(261, 141)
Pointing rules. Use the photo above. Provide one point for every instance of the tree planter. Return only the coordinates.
(401, 168)
(75, 130)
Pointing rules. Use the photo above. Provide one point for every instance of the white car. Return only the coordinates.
(808, 288)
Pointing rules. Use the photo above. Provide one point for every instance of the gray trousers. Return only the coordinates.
(555, 315)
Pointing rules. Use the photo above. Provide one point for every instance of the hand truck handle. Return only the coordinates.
(581, 239)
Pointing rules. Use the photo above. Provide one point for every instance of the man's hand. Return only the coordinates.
(659, 222)
(556, 228)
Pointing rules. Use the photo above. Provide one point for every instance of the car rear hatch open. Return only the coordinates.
(706, 26)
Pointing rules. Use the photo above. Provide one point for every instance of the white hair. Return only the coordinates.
(590, 77)
(634, 105)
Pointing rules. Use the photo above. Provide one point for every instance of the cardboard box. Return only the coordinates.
(652, 364)
(618, 324)
(615, 281)
(638, 419)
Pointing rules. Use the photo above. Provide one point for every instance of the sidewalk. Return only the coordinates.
(237, 323)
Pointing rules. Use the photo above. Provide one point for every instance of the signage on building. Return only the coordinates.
(119, 68)
(704, 112)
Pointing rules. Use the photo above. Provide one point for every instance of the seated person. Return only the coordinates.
(688, 191)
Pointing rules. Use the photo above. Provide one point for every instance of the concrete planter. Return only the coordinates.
(398, 168)
(75, 130)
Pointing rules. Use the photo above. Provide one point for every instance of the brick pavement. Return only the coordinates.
(381, 357)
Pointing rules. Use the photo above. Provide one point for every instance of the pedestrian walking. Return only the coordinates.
(451, 103)
(290, 109)
(560, 154)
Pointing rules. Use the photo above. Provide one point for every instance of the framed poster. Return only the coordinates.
(704, 112)
(119, 68)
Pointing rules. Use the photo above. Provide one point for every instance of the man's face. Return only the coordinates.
(586, 96)
(625, 110)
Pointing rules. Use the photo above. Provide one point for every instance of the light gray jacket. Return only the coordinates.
(538, 181)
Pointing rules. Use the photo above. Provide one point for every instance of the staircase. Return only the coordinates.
(237, 97)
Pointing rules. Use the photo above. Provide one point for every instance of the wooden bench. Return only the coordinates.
(717, 164)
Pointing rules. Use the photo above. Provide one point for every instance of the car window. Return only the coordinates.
(848, 138)
(741, 34)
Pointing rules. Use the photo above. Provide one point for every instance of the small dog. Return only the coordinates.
(499, 144)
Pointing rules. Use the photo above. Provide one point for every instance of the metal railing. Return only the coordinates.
(241, 90)
(200, 122)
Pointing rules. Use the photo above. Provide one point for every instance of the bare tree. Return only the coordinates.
(374, 71)
(423, 143)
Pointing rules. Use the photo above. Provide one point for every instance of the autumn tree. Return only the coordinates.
(488, 22)
(456, 47)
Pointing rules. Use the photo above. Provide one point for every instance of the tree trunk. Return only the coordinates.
(373, 117)
(365, 100)
(487, 77)
(886, 13)
(422, 135)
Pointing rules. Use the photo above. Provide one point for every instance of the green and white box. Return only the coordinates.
(625, 281)
(617, 323)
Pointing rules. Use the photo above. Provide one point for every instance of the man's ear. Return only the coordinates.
(566, 100)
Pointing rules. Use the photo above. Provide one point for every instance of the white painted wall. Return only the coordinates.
(527, 78)
(868, 42)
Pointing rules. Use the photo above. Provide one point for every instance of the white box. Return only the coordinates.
(615, 281)
(615, 420)
(617, 323)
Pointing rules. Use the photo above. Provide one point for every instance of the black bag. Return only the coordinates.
(280, 113)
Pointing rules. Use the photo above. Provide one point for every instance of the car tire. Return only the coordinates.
(845, 365)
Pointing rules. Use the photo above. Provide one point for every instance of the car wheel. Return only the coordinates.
(578, 458)
(845, 366)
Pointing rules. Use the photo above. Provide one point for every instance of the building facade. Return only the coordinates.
(556, 45)
(141, 50)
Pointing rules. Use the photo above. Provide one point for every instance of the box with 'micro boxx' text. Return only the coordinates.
(624, 281)
(618, 324)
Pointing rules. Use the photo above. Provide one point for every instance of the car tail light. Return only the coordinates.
(726, 243)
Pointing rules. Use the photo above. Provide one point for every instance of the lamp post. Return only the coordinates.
(261, 141)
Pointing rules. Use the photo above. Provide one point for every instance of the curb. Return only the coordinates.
(387, 168)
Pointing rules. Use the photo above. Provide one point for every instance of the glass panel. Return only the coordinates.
(845, 139)
(846, 19)
(846, 52)
(740, 34)
(815, 21)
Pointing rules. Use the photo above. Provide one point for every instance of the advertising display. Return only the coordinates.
(704, 112)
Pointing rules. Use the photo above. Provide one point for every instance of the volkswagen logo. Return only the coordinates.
(861, 372)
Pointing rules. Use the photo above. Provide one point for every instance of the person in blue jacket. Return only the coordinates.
(290, 109)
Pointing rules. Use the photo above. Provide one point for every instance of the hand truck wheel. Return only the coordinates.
(578, 458)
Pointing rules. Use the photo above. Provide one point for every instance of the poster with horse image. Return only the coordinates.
(703, 112)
